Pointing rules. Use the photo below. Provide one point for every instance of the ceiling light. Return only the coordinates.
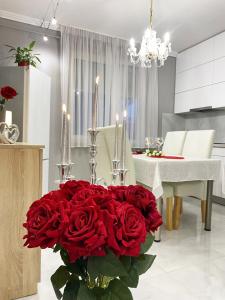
(54, 21)
(152, 48)
(45, 38)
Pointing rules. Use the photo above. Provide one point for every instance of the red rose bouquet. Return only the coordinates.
(102, 234)
(7, 93)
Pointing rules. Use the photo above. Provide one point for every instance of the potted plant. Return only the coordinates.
(24, 56)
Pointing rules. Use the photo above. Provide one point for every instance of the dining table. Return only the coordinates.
(154, 171)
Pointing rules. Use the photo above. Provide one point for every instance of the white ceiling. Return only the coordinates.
(188, 21)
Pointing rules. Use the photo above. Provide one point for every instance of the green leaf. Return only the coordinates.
(132, 279)
(148, 243)
(32, 44)
(38, 59)
(75, 268)
(57, 248)
(108, 265)
(65, 257)
(71, 289)
(126, 261)
(85, 294)
(59, 279)
(143, 262)
(9, 46)
(117, 291)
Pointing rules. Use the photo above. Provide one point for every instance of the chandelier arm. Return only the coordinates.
(151, 13)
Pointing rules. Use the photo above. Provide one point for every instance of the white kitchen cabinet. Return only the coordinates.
(200, 76)
(218, 95)
(196, 77)
(219, 153)
(195, 56)
(193, 99)
(31, 108)
(219, 45)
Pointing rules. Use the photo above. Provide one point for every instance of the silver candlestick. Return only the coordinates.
(122, 176)
(93, 151)
(65, 172)
(115, 173)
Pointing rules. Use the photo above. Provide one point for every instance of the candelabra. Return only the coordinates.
(122, 176)
(93, 151)
(115, 173)
(65, 172)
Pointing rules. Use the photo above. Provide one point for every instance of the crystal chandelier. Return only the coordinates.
(152, 48)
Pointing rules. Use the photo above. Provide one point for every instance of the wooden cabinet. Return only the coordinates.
(31, 108)
(20, 185)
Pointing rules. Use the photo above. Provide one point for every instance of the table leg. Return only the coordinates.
(209, 205)
(160, 209)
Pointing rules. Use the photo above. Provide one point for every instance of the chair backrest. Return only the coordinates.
(103, 167)
(108, 133)
(174, 143)
(198, 144)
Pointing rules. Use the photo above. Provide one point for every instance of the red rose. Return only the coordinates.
(146, 202)
(106, 203)
(119, 192)
(70, 188)
(57, 195)
(86, 233)
(46, 219)
(82, 195)
(91, 191)
(8, 92)
(153, 220)
(126, 230)
(140, 197)
(98, 189)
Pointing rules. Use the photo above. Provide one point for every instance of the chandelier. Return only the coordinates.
(152, 48)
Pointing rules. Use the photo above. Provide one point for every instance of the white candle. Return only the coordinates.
(116, 142)
(69, 138)
(63, 143)
(8, 117)
(123, 141)
(95, 104)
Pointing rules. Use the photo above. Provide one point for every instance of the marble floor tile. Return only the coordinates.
(190, 263)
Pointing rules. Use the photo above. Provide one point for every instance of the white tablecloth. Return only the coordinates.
(154, 171)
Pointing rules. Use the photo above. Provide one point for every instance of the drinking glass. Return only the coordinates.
(159, 143)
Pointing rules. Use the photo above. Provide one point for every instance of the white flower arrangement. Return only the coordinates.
(153, 153)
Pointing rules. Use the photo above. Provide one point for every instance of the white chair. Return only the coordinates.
(105, 155)
(174, 142)
(198, 144)
(173, 145)
(103, 167)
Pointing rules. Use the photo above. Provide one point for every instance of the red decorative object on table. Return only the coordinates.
(102, 234)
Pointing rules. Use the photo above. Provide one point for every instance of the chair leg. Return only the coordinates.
(176, 212)
(169, 213)
(203, 210)
(181, 207)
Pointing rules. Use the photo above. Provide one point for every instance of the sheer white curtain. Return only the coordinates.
(84, 55)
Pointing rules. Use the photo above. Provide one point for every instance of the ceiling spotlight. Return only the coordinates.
(54, 21)
(45, 38)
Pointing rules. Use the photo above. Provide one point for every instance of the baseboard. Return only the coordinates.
(219, 200)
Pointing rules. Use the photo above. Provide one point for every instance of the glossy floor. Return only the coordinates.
(190, 263)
